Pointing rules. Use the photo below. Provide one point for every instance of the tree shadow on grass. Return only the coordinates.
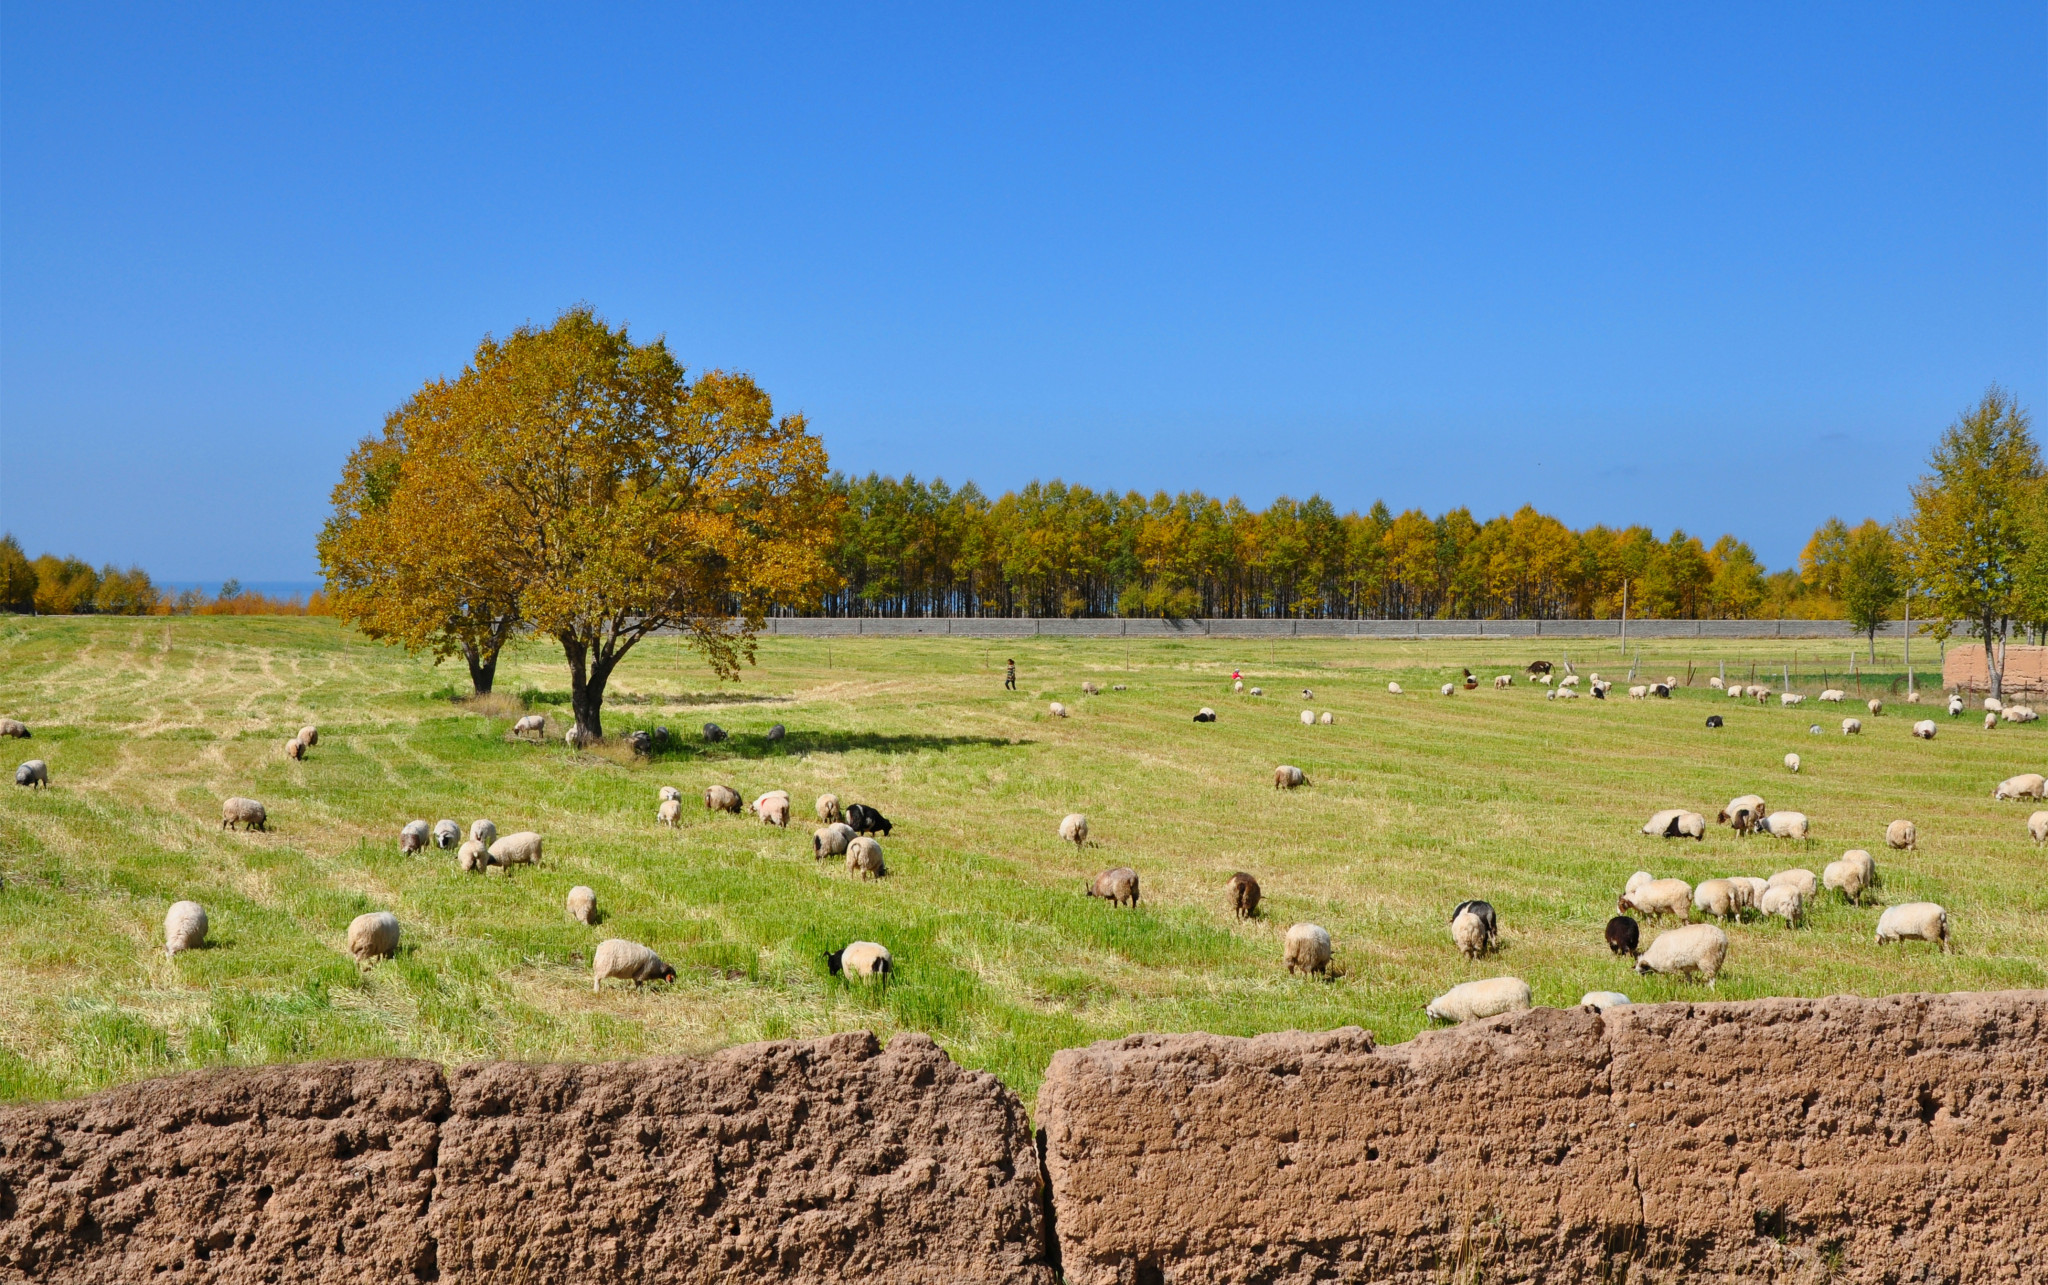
(750, 747)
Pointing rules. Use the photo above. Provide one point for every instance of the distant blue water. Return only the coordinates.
(268, 588)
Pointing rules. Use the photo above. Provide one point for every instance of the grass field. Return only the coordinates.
(1417, 801)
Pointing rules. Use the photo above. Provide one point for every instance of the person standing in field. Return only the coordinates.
(1010, 677)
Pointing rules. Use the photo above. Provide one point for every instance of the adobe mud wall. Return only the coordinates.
(1795, 1140)
(1902, 1139)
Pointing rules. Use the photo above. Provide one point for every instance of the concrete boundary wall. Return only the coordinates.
(1843, 1139)
(1120, 627)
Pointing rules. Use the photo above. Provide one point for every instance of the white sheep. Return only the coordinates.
(1308, 718)
(669, 792)
(1091, 689)
(447, 834)
(413, 838)
(582, 903)
(1782, 901)
(1716, 683)
(1237, 685)
(1639, 691)
(535, 723)
(1447, 689)
(1566, 694)
(1118, 887)
(864, 858)
(1751, 888)
(1993, 704)
(1802, 879)
(670, 813)
(1902, 834)
(1875, 706)
(1743, 811)
(628, 961)
(773, 808)
(1569, 680)
(1718, 897)
(1469, 935)
(308, 736)
(1326, 718)
(1790, 698)
(1671, 897)
(1635, 881)
(1852, 727)
(1394, 689)
(831, 841)
(1916, 921)
(1784, 825)
(1847, 877)
(1074, 829)
(1502, 681)
(1990, 722)
(473, 856)
(721, 798)
(1258, 691)
(1307, 949)
(1601, 1001)
(2037, 825)
(373, 936)
(184, 927)
(1676, 823)
(1696, 948)
(1057, 710)
(2020, 714)
(1924, 729)
(521, 849)
(2027, 785)
(14, 727)
(1955, 705)
(1834, 695)
(861, 959)
(828, 809)
(1471, 1001)
(1286, 777)
(483, 832)
(247, 813)
(35, 774)
(1792, 763)
(1544, 679)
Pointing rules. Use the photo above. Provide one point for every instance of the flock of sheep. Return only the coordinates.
(1693, 949)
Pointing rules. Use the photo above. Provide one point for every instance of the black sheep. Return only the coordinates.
(865, 820)
(1713, 720)
(1623, 935)
(1484, 910)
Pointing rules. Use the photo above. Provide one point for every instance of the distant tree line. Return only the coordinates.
(54, 586)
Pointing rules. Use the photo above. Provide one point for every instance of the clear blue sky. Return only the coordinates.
(1731, 270)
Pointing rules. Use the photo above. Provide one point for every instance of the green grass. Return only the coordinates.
(1417, 802)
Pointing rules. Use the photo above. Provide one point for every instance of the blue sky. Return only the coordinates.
(1729, 270)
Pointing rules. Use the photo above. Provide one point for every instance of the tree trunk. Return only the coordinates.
(586, 703)
(483, 670)
(1873, 644)
(1991, 659)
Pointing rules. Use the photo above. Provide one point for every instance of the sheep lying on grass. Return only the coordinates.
(1601, 1001)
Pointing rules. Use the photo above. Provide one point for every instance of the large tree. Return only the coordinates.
(1967, 532)
(400, 556)
(1870, 581)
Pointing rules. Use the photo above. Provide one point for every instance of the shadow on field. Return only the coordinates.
(748, 746)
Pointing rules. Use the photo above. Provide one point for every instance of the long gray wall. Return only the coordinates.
(1011, 627)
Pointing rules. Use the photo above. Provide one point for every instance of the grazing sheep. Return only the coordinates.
(483, 831)
(1326, 718)
(1503, 681)
(1792, 763)
(713, 733)
(1718, 898)
(1901, 834)
(535, 723)
(1790, 698)
(184, 927)
(669, 792)
(15, 728)
(1205, 715)
(413, 837)
(1803, 880)
(1057, 710)
(373, 936)
(246, 813)
(1852, 727)
(1090, 689)
(521, 849)
(1287, 778)
(1924, 729)
(1244, 895)
(1472, 1001)
(2020, 714)
(1237, 685)
(1639, 691)
(1716, 683)
(1308, 718)
(722, 798)
(1119, 887)
(1782, 901)
(1536, 667)
(628, 961)
(1637, 880)
(1545, 680)
(1955, 705)
(1915, 920)
(1784, 825)
(831, 841)
(1447, 689)
(447, 834)
(1394, 689)
(576, 738)
(1697, 948)
(1308, 694)
(864, 858)
(1623, 936)
(1735, 693)
(866, 820)
(1600, 689)
(1471, 682)
(773, 808)
(1993, 704)
(661, 736)
(473, 856)
(1751, 890)
(1834, 695)
(1569, 680)
(1601, 1001)
(1258, 691)
(1074, 829)
(641, 742)
(1307, 950)
(34, 774)
(1474, 930)
(1662, 691)
(861, 959)
(828, 809)
(1846, 877)
(1743, 811)
(670, 813)
(1671, 897)
(776, 732)
(582, 903)
(1676, 823)
(2037, 825)
(1567, 694)
(1990, 722)
(295, 749)
(2027, 785)
(1713, 720)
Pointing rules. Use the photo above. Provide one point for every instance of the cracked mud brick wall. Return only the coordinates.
(1903, 1139)
(1798, 1140)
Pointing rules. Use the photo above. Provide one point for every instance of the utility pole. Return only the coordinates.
(1624, 619)
(1909, 642)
